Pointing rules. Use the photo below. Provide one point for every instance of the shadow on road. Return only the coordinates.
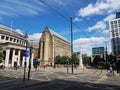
(7, 83)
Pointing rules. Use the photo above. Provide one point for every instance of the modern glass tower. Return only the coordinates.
(115, 34)
(98, 51)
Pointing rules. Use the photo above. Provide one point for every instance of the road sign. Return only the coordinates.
(26, 53)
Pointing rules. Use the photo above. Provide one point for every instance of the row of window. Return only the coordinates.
(115, 22)
(11, 39)
(115, 25)
(115, 32)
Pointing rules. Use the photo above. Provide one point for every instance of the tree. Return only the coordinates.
(75, 59)
(58, 59)
(1, 54)
(64, 60)
(86, 60)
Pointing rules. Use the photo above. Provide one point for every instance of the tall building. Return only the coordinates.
(51, 45)
(118, 15)
(98, 51)
(115, 34)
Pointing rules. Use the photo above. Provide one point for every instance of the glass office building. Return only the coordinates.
(98, 50)
(117, 15)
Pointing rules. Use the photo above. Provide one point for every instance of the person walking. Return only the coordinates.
(110, 70)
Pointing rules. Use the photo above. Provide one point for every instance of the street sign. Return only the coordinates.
(26, 53)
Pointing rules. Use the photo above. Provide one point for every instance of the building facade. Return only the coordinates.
(51, 45)
(13, 45)
(115, 34)
(36, 50)
(98, 51)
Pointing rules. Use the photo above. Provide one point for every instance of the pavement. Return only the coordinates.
(59, 79)
(50, 73)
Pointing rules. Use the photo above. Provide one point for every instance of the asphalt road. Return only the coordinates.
(58, 79)
(56, 84)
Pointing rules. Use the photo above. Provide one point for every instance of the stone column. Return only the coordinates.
(18, 62)
(32, 60)
(27, 61)
(13, 56)
(7, 57)
(41, 50)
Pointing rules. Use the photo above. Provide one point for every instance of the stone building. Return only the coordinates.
(51, 45)
(13, 45)
(36, 50)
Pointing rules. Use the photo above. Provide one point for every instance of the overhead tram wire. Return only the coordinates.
(66, 18)
(54, 9)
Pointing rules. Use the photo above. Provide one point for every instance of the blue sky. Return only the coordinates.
(91, 16)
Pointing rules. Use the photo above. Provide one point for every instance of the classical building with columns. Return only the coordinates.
(51, 45)
(13, 45)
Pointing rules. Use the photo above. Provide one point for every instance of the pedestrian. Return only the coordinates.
(15, 66)
(44, 66)
(15, 62)
(110, 71)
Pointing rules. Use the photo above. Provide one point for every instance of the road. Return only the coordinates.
(58, 79)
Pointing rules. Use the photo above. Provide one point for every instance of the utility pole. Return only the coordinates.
(26, 55)
(71, 42)
(106, 53)
(30, 58)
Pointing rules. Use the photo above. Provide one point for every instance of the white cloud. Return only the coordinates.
(35, 37)
(109, 17)
(106, 32)
(100, 7)
(101, 25)
(87, 43)
(20, 7)
(27, 7)
(98, 26)
(77, 19)
(19, 31)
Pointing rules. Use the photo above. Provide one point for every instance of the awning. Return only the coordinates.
(118, 56)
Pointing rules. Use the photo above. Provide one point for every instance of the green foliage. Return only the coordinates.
(97, 59)
(63, 59)
(86, 60)
(75, 59)
(1, 54)
(58, 59)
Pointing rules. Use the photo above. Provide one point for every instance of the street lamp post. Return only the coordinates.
(26, 37)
